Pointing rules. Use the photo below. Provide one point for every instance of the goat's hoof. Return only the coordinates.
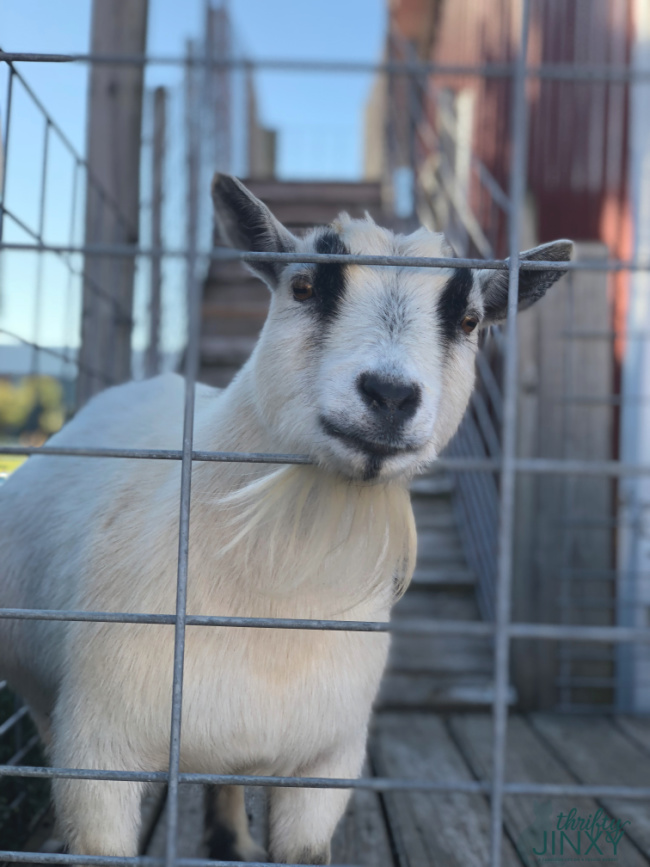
(223, 845)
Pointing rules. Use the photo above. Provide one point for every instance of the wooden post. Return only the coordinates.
(157, 192)
(112, 193)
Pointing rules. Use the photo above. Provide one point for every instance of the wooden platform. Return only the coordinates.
(452, 830)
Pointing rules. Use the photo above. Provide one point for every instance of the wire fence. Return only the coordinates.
(498, 463)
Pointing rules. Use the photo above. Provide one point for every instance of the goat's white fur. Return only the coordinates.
(102, 534)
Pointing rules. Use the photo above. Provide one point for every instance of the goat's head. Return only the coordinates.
(367, 369)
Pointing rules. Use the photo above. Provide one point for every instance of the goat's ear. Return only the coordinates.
(532, 284)
(247, 224)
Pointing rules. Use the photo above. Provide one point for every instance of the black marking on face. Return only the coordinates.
(329, 279)
(452, 303)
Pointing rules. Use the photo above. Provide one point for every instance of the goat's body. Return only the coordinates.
(255, 700)
(369, 371)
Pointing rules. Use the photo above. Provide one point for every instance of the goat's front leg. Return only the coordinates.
(96, 817)
(302, 821)
(99, 817)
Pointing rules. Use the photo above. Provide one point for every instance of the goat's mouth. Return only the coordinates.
(360, 443)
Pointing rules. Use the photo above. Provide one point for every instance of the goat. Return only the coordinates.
(368, 370)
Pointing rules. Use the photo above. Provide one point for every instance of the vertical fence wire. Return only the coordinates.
(508, 472)
(5, 149)
(191, 370)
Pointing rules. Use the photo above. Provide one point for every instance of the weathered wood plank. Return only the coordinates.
(424, 691)
(636, 728)
(432, 485)
(431, 829)
(434, 515)
(119, 27)
(191, 812)
(441, 653)
(362, 837)
(596, 752)
(311, 191)
(192, 842)
(439, 546)
(444, 576)
(528, 759)
(297, 215)
(454, 604)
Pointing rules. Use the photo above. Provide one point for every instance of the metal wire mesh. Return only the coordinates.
(496, 459)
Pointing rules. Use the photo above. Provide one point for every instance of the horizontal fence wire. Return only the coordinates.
(524, 465)
(372, 784)
(541, 631)
(552, 71)
(130, 250)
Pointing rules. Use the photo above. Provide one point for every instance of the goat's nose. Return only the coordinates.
(389, 396)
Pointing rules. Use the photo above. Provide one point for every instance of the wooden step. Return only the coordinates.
(452, 603)
(215, 310)
(434, 485)
(444, 577)
(300, 216)
(439, 546)
(228, 351)
(327, 192)
(228, 294)
(403, 691)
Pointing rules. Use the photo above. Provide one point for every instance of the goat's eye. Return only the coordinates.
(302, 289)
(468, 324)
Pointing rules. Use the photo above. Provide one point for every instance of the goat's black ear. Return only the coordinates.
(532, 284)
(247, 224)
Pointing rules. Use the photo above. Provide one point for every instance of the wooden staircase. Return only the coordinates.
(424, 672)
(443, 672)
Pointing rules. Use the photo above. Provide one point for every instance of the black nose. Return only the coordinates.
(389, 397)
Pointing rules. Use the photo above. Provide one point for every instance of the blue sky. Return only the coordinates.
(318, 116)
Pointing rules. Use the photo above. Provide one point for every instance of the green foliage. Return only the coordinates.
(32, 404)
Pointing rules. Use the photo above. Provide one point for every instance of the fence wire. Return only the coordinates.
(501, 458)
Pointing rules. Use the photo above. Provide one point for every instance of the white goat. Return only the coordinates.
(368, 370)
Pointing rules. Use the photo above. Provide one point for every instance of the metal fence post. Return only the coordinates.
(191, 369)
(509, 440)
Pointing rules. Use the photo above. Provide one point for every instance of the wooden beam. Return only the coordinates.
(112, 193)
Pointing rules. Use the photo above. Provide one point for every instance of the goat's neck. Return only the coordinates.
(299, 530)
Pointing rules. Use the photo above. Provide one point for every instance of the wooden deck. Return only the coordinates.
(423, 830)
